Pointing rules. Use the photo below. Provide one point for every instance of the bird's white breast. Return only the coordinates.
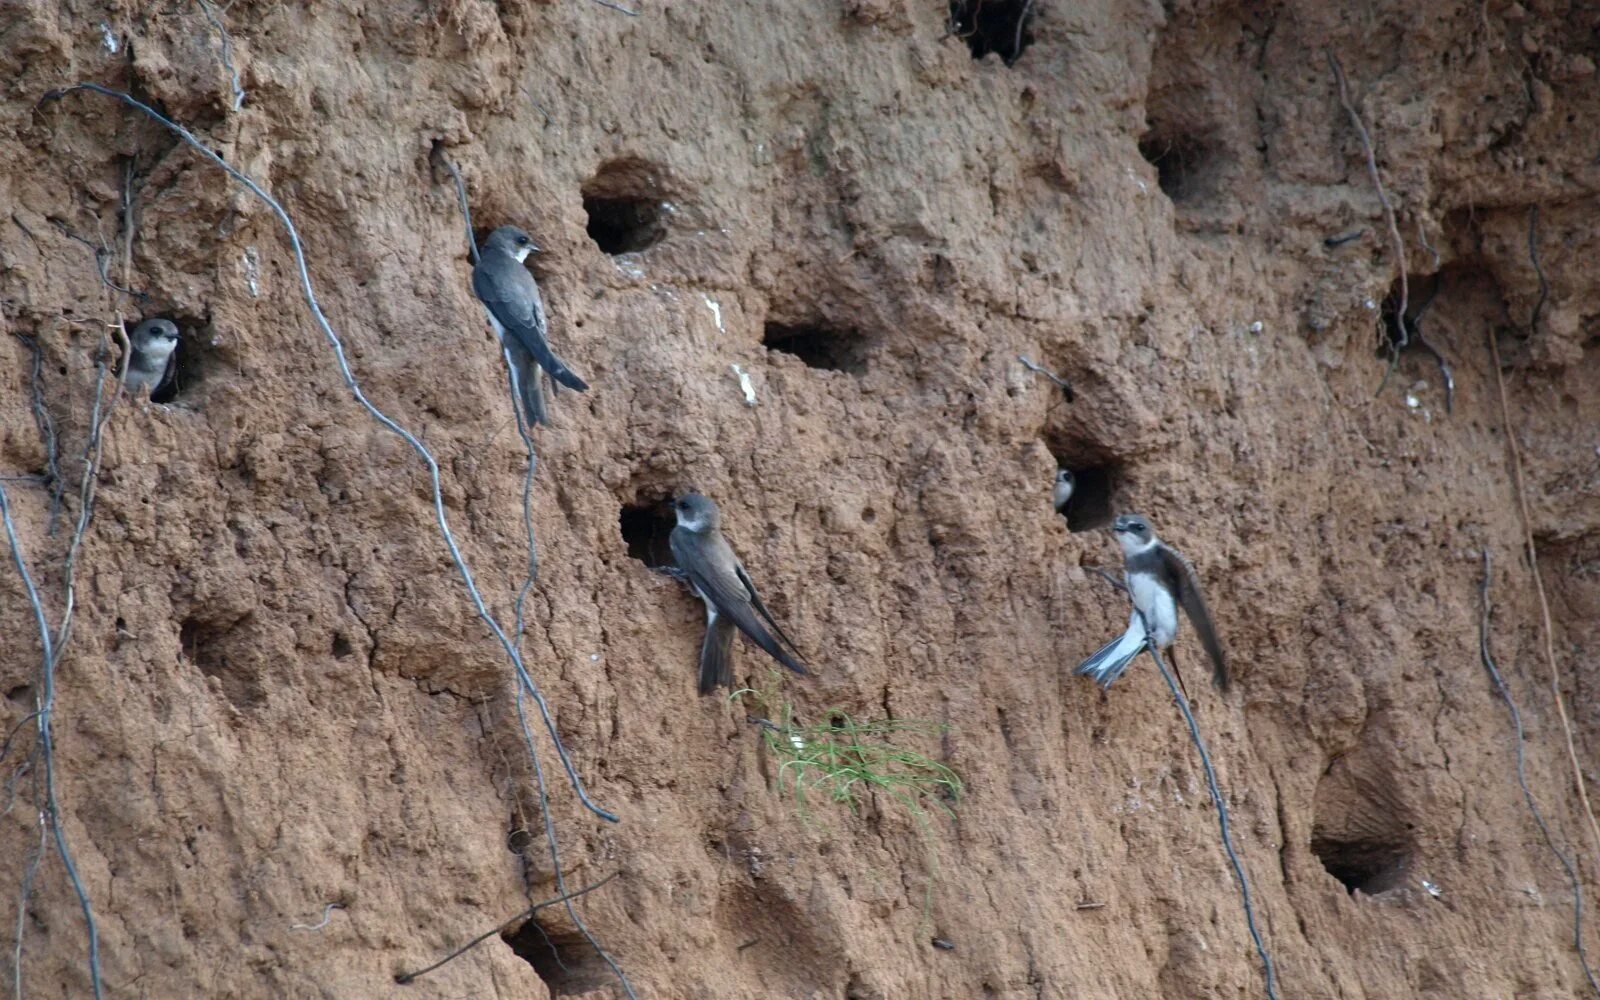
(156, 354)
(1155, 601)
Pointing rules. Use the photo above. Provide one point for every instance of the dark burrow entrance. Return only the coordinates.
(999, 26)
(623, 225)
(646, 527)
(192, 359)
(624, 204)
(1372, 865)
(565, 960)
(1090, 506)
(1185, 165)
(1363, 831)
(830, 348)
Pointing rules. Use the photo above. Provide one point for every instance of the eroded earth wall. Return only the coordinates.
(276, 695)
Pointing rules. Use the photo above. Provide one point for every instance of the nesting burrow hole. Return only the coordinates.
(1096, 479)
(820, 345)
(646, 527)
(563, 959)
(998, 26)
(1420, 294)
(1370, 864)
(1188, 166)
(1362, 831)
(194, 359)
(1092, 489)
(626, 207)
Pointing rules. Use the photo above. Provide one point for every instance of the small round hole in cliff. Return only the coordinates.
(1370, 865)
(646, 527)
(563, 959)
(1362, 830)
(1186, 165)
(1092, 488)
(1421, 291)
(998, 26)
(193, 359)
(625, 207)
(829, 348)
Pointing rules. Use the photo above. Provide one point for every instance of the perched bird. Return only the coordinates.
(516, 311)
(1063, 491)
(151, 359)
(1160, 581)
(718, 578)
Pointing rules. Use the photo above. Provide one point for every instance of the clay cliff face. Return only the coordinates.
(277, 696)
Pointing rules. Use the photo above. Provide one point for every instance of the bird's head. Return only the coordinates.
(513, 241)
(695, 512)
(1134, 532)
(154, 337)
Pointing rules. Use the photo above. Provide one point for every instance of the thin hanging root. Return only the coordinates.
(1522, 776)
(440, 159)
(1065, 386)
(1538, 586)
(1222, 820)
(1383, 194)
(504, 925)
(524, 680)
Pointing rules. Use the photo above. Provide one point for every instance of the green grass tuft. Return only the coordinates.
(843, 758)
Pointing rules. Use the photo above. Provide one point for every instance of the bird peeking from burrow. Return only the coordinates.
(717, 577)
(152, 357)
(511, 298)
(1062, 492)
(1160, 581)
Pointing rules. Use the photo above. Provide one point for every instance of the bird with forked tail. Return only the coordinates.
(1160, 581)
(511, 297)
(719, 579)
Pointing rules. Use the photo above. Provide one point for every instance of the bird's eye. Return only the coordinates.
(522, 241)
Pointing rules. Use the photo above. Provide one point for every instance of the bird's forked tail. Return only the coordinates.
(1110, 660)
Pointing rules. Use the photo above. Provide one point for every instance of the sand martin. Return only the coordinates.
(718, 578)
(1063, 490)
(516, 311)
(1160, 581)
(151, 360)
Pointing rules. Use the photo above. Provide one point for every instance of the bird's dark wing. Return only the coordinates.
(168, 375)
(1185, 584)
(511, 295)
(716, 654)
(755, 599)
(713, 570)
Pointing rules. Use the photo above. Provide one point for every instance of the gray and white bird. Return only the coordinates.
(516, 311)
(1063, 489)
(152, 356)
(719, 579)
(1160, 582)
